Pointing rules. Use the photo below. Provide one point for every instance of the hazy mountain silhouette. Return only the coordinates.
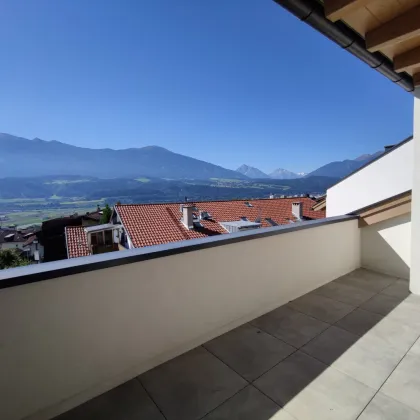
(23, 157)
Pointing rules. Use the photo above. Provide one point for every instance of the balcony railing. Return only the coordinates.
(73, 329)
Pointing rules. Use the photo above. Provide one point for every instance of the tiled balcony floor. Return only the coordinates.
(348, 350)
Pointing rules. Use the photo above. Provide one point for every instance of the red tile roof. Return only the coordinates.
(76, 242)
(154, 224)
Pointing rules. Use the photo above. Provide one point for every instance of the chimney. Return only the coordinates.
(388, 148)
(187, 216)
(297, 210)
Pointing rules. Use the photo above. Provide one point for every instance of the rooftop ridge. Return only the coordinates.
(215, 201)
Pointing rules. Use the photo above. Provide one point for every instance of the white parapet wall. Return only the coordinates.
(67, 339)
(390, 175)
(386, 246)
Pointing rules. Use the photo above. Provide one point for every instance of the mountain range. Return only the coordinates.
(338, 169)
(285, 174)
(21, 157)
(279, 173)
(252, 172)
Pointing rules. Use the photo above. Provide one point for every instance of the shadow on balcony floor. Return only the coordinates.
(347, 350)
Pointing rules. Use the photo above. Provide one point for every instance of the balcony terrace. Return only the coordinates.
(281, 323)
(278, 323)
(349, 349)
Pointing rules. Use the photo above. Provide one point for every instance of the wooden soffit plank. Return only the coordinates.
(338, 9)
(408, 60)
(397, 30)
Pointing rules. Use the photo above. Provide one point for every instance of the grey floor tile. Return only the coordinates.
(368, 280)
(413, 300)
(345, 293)
(396, 333)
(290, 377)
(416, 348)
(282, 415)
(407, 314)
(128, 401)
(370, 360)
(381, 304)
(385, 408)
(330, 344)
(248, 404)
(404, 383)
(321, 307)
(191, 385)
(291, 326)
(399, 289)
(359, 321)
(249, 351)
(331, 396)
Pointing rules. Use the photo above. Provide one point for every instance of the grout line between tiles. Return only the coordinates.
(271, 335)
(282, 360)
(312, 316)
(151, 398)
(359, 306)
(393, 399)
(295, 309)
(251, 383)
(342, 301)
(218, 358)
(383, 383)
(291, 354)
(234, 395)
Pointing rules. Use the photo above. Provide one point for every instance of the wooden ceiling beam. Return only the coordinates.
(338, 9)
(406, 61)
(397, 30)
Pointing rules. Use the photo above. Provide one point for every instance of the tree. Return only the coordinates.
(106, 214)
(10, 258)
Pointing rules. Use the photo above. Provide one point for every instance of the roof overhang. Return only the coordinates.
(385, 34)
(384, 210)
(98, 228)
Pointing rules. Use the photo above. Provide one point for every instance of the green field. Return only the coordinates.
(84, 202)
(24, 211)
(36, 217)
(227, 180)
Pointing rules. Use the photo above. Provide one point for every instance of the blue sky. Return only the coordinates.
(226, 81)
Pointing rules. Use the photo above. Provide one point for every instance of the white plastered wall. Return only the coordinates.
(415, 204)
(387, 177)
(68, 339)
(386, 246)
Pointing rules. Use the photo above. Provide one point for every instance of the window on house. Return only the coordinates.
(100, 236)
(108, 237)
(94, 239)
